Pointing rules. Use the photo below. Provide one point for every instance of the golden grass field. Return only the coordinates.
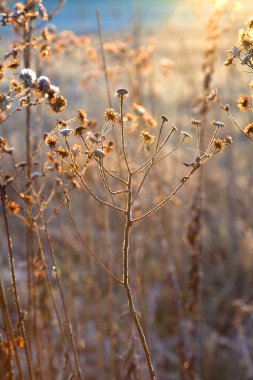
(126, 225)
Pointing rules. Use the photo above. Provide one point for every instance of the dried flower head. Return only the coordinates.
(94, 138)
(217, 123)
(248, 130)
(109, 147)
(234, 52)
(111, 115)
(122, 91)
(229, 61)
(15, 86)
(229, 139)
(63, 153)
(43, 84)
(79, 131)
(76, 149)
(196, 122)
(13, 65)
(250, 23)
(218, 144)
(42, 12)
(27, 76)
(82, 116)
(27, 198)
(99, 153)
(147, 137)
(66, 132)
(13, 207)
(3, 142)
(213, 94)
(243, 103)
(58, 103)
(5, 102)
(36, 174)
(186, 134)
(50, 140)
(246, 38)
(139, 109)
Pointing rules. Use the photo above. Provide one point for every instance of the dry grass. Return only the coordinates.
(126, 226)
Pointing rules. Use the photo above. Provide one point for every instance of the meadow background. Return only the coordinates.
(190, 263)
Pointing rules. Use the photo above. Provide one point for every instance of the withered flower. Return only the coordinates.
(248, 130)
(13, 207)
(111, 115)
(147, 137)
(66, 132)
(43, 84)
(50, 140)
(27, 76)
(63, 153)
(196, 122)
(109, 147)
(217, 123)
(13, 64)
(243, 103)
(99, 153)
(76, 149)
(212, 95)
(186, 134)
(122, 91)
(5, 102)
(58, 103)
(82, 116)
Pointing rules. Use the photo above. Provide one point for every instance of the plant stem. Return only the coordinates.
(14, 285)
(128, 224)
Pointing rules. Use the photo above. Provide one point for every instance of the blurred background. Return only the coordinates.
(193, 289)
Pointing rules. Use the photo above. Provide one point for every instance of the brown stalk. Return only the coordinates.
(10, 330)
(14, 285)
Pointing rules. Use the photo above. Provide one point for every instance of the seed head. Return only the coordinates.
(82, 116)
(174, 127)
(139, 109)
(76, 149)
(27, 76)
(217, 123)
(42, 12)
(5, 102)
(243, 103)
(13, 64)
(147, 137)
(58, 103)
(111, 115)
(66, 132)
(229, 139)
(186, 134)
(63, 153)
(196, 122)
(36, 174)
(248, 130)
(50, 140)
(43, 84)
(79, 131)
(122, 91)
(99, 153)
(13, 207)
(212, 95)
(94, 138)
